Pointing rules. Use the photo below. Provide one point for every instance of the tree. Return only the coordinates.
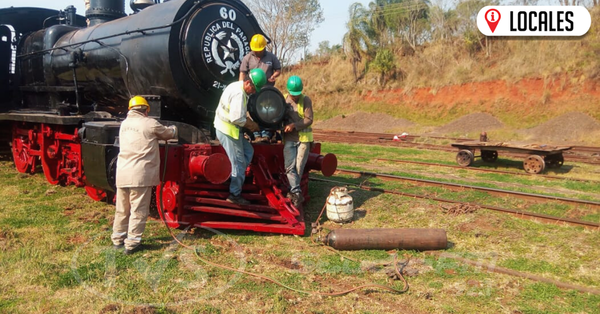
(356, 40)
(467, 11)
(325, 51)
(384, 63)
(407, 19)
(288, 24)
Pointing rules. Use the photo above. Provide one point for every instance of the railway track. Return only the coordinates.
(584, 154)
(480, 169)
(516, 213)
(463, 187)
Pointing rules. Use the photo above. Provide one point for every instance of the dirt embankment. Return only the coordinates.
(562, 109)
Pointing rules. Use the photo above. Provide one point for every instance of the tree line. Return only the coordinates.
(382, 31)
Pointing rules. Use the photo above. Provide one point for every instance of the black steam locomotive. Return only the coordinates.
(66, 81)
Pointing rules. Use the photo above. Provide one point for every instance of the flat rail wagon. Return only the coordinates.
(539, 156)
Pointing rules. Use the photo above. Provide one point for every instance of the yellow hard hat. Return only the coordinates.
(138, 101)
(258, 42)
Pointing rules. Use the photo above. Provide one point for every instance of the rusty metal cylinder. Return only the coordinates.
(326, 164)
(387, 239)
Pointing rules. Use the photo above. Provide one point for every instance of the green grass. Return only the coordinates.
(526, 265)
(57, 257)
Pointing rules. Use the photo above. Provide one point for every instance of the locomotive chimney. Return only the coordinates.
(101, 11)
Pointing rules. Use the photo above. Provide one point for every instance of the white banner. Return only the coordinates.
(534, 21)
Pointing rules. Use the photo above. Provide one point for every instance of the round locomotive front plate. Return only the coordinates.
(216, 39)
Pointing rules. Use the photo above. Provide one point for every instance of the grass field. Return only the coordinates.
(56, 255)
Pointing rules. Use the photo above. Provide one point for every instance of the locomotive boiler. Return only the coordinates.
(66, 81)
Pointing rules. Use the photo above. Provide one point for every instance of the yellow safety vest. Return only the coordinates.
(306, 135)
(225, 126)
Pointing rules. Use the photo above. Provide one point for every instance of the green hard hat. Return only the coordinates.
(294, 85)
(258, 77)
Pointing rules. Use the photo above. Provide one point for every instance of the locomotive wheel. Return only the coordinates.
(20, 149)
(465, 157)
(50, 170)
(170, 192)
(554, 161)
(489, 155)
(95, 194)
(50, 156)
(534, 164)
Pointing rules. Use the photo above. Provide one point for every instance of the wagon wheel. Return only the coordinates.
(554, 161)
(170, 198)
(489, 155)
(95, 194)
(20, 149)
(465, 157)
(534, 164)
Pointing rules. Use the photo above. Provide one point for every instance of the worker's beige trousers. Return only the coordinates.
(133, 207)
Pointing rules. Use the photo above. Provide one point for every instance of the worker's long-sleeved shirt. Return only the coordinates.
(138, 164)
(292, 116)
(234, 100)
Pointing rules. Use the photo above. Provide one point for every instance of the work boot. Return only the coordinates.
(239, 200)
(300, 197)
(297, 199)
(131, 251)
(291, 196)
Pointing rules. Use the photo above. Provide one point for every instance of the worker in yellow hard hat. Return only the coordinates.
(138, 166)
(260, 58)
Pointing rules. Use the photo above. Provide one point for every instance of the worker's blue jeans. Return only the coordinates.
(240, 154)
(295, 155)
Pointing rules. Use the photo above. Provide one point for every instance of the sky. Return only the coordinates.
(332, 29)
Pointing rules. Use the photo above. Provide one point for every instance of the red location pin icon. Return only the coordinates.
(492, 17)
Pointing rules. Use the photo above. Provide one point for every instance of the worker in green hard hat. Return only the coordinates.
(297, 137)
(230, 118)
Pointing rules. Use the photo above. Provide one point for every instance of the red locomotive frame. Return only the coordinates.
(194, 186)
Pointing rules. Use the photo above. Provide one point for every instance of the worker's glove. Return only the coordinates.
(175, 131)
(251, 125)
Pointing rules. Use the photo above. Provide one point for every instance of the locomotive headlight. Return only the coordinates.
(267, 107)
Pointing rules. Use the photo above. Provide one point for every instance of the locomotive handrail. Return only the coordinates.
(64, 47)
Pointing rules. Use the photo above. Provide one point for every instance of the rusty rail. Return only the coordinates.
(545, 176)
(584, 154)
(516, 213)
(462, 187)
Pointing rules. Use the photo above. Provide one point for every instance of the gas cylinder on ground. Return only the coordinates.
(387, 239)
(340, 206)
